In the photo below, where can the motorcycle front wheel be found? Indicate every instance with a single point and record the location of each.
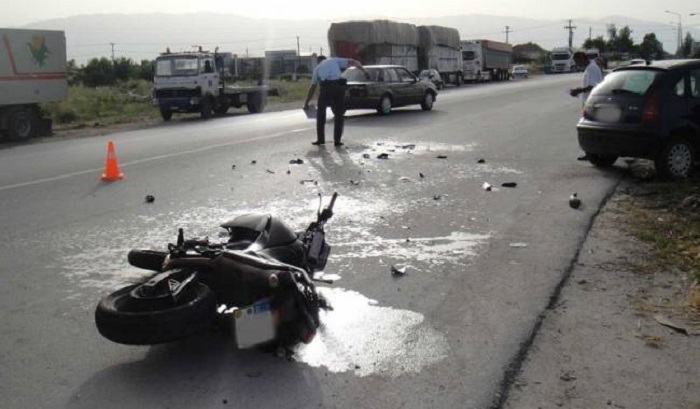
(124, 319)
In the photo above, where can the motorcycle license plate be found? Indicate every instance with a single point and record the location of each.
(254, 324)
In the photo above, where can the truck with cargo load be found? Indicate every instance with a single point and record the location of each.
(439, 49)
(486, 60)
(32, 72)
(384, 42)
(197, 81)
(378, 42)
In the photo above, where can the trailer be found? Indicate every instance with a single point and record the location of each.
(32, 72)
(376, 42)
(486, 60)
(439, 49)
(197, 82)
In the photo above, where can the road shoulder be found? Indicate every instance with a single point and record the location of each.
(600, 345)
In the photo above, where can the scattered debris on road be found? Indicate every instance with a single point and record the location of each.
(150, 199)
(383, 156)
(509, 184)
(442, 157)
(398, 271)
(421, 175)
(269, 171)
(481, 161)
(296, 162)
(574, 201)
(253, 162)
(233, 167)
(486, 186)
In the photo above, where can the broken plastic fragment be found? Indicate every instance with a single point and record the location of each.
(269, 171)
(442, 157)
(481, 161)
(421, 175)
(574, 201)
(383, 156)
(354, 182)
(366, 155)
(296, 162)
(509, 184)
(253, 162)
(233, 167)
(486, 186)
(398, 271)
(150, 199)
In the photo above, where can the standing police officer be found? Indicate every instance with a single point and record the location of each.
(327, 76)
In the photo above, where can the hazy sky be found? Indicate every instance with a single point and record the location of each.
(30, 11)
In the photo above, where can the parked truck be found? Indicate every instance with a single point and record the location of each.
(376, 42)
(486, 60)
(563, 60)
(197, 82)
(417, 48)
(32, 71)
(439, 49)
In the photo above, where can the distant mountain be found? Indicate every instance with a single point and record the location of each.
(144, 36)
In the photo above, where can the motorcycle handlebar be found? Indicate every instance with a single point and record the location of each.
(327, 213)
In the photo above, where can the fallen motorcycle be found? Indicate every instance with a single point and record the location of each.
(258, 280)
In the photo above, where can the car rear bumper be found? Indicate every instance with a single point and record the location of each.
(633, 141)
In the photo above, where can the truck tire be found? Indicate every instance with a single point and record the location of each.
(256, 102)
(384, 107)
(127, 320)
(166, 114)
(22, 123)
(221, 109)
(205, 108)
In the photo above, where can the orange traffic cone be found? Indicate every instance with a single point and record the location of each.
(112, 171)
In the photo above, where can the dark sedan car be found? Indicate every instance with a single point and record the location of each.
(645, 111)
(388, 86)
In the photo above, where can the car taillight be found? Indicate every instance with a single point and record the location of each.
(651, 108)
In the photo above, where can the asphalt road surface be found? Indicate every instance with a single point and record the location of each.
(481, 265)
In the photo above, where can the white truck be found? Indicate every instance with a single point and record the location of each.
(563, 60)
(196, 82)
(439, 49)
(32, 71)
(486, 60)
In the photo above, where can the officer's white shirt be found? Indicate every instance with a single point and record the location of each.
(592, 76)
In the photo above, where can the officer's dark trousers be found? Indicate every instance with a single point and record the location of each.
(332, 95)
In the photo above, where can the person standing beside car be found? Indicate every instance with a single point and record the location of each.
(327, 77)
(592, 75)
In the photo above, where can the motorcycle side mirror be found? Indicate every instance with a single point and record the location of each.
(180, 237)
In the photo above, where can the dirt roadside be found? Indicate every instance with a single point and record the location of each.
(600, 345)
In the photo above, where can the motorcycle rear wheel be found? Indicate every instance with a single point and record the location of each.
(127, 320)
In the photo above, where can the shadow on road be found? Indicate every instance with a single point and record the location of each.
(203, 371)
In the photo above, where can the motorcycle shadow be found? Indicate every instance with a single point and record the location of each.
(205, 370)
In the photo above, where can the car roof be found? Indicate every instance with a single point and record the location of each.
(663, 65)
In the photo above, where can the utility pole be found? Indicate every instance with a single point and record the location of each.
(508, 30)
(296, 66)
(112, 44)
(590, 33)
(571, 33)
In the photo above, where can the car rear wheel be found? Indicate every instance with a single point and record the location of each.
(601, 161)
(428, 100)
(676, 160)
(384, 105)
